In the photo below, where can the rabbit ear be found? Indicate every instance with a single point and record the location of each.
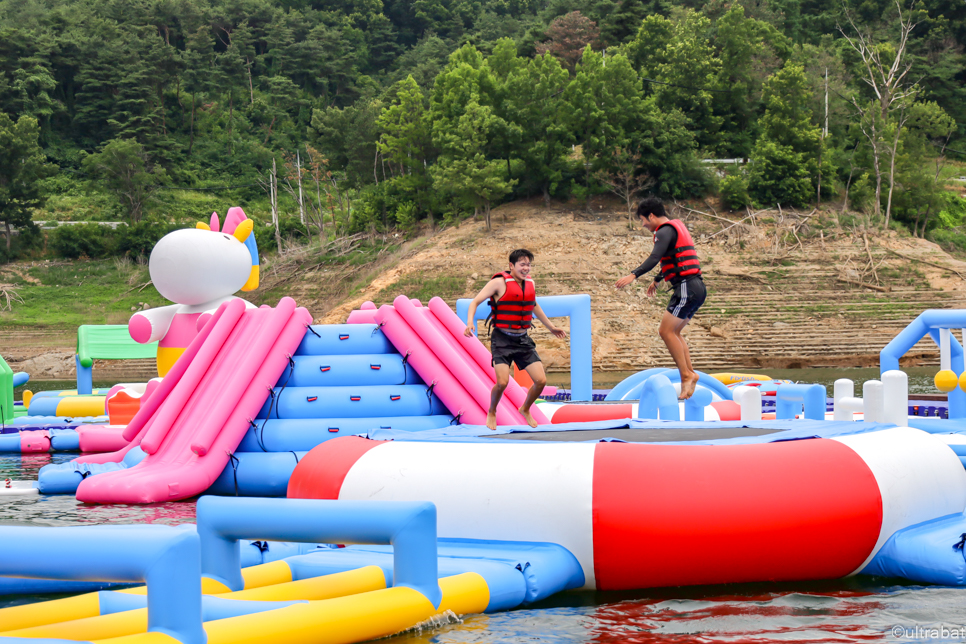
(234, 217)
(243, 230)
(214, 222)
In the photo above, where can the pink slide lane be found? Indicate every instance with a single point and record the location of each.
(457, 362)
(474, 350)
(189, 427)
(429, 367)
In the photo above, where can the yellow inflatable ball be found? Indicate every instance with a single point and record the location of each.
(946, 381)
(962, 381)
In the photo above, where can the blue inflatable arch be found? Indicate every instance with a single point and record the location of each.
(575, 307)
(929, 322)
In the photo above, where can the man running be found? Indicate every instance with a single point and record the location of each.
(674, 250)
(513, 303)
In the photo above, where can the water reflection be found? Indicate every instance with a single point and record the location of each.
(853, 610)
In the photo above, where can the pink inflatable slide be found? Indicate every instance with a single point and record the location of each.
(458, 367)
(201, 410)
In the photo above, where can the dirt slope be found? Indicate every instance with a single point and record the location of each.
(786, 289)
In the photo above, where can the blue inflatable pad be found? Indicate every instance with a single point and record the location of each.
(61, 440)
(63, 478)
(64, 440)
(930, 552)
(344, 339)
(256, 474)
(353, 402)
(339, 370)
(43, 405)
(304, 434)
(20, 378)
(60, 422)
(935, 425)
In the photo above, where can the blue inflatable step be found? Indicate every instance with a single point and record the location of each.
(353, 402)
(256, 474)
(303, 434)
(344, 339)
(331, 371)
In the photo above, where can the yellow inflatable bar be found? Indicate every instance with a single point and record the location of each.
(353, 611)
(87, 605)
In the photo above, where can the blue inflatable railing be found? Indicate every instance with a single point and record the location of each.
(167, 559)
(658, 395)
(577, 308)
(929, 322)
(790, 399)
(410, 527)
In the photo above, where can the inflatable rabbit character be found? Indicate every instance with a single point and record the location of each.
(197, 269)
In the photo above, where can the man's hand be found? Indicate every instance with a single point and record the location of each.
(652, 289)
(624, 281)
(560, 333)
(469, 331)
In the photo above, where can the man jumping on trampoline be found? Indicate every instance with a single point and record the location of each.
(513, 303)
(674, 250)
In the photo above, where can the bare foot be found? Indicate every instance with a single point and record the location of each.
(687, 387)
(527, 417)
(491, 421)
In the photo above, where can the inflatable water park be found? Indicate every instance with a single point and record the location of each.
(346, 487)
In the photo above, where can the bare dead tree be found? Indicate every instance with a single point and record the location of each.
(623, 180)
(882, 120)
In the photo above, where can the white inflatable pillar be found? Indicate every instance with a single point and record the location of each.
(845, 402)
(895, 397)
(944, 356)
(749, 399)
(872, 401)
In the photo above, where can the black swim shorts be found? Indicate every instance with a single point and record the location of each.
(508, 349)
(687, 298)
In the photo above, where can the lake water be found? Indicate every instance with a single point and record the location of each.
(851, 610)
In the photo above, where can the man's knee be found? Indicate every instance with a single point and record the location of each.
(502, 381)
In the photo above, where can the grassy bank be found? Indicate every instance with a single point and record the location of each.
(67, 294)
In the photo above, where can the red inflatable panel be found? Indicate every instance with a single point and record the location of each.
(727, 410)
(675, 515)
(320, 473)
(590, 413)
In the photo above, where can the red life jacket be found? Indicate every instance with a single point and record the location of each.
(514, 310)
(681, 261)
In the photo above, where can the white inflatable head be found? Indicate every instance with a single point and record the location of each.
(200, 265)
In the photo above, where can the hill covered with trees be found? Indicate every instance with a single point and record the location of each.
(371, 114)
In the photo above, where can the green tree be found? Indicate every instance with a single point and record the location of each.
(22, 166)
(124, 168)
(406, 141)
(678, 57)
(463, 168)
(747, 58)
(785, 158)
(535, 106)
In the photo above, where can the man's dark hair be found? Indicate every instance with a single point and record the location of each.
(651, 206)
(519, 254)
